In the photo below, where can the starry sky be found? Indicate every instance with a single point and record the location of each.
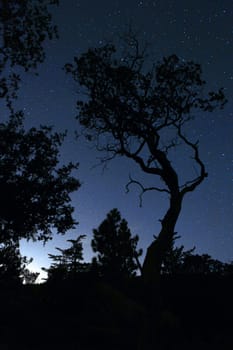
(194, 30)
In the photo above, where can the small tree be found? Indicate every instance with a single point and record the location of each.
(117, 254)
(173, 261)
(140, 111)
(13, 266)
(202, 264)
(179, 261)
(69, 262)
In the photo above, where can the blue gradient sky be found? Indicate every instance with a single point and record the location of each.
(197, 30)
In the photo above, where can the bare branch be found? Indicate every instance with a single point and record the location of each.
(151, 160)
(135, 59)
(143, 189)
(103, 162)
(190, 186)
(140, 148)
(173, 144)
(140, 162)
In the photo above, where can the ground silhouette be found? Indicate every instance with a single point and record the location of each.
(88, 313)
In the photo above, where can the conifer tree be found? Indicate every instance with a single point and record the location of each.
(69, 262)
(117, 254)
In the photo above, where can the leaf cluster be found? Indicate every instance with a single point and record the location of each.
(35, 190)
(13, 266)
(25, 26)
(134, 104)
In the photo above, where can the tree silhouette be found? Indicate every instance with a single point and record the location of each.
(13, 266)
(35, 191)
(173, 261)
(24, 26)
(141, 113)
(179, 261)
(69, 262)
(117, 254)
(202, 264)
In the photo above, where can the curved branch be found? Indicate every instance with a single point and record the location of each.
(123, 151)
(190, 186)
(143, 189)
(137, 152)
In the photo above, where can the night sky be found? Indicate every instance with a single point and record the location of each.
(198, 30)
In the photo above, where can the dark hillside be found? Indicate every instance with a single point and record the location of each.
(195, 312)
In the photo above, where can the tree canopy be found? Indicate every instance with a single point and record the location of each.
(35, 190)
(140, 112)
(12, 264)
(24, 27)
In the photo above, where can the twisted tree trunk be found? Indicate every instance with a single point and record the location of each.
(156, 251)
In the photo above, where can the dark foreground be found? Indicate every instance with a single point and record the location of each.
(193, 312)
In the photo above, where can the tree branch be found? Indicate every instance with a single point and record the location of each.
(190, 186)
(143, 189)
(137, 159)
